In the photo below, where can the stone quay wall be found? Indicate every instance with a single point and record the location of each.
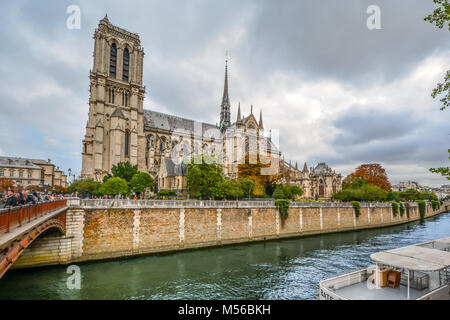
(102, 229)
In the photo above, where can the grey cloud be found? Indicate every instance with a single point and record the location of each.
(311, 40)
(366, 124)
(332, 40)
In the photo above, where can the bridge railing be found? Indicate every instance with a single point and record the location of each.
(16, 216)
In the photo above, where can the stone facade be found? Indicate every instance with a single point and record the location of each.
(120, 130)
(318, 183)
(32, 172)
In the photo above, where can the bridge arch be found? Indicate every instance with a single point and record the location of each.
(50, 215)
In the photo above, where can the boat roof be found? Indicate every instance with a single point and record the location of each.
(427, 256)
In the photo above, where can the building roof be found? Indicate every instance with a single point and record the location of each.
(428, 256)
(158, 120)
(23, 163)
(321, 168)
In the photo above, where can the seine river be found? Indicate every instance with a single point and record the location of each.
(282, 269)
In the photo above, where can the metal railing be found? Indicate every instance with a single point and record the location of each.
(15, 217)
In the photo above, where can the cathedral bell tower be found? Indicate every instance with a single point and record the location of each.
(115, 127)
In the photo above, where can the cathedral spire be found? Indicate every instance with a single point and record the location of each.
(105, 19)
(225, 106)
(261, 126)
(239, 113)
(305, 168)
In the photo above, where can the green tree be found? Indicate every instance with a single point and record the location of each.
(114, 186)
(366, 192)
(247, 187)
(443, 171)
(287, 192)
(141, 181)
(124, 170)
(204, 177)
(279, 193)
(230, 189)
(441, 17)
(105, 178)
(167, 193)
(85, 186)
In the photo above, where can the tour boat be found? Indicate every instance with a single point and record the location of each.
(415, 272)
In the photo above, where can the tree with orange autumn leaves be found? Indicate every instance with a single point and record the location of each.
(6, 184)
(373, 173)
(253, 171)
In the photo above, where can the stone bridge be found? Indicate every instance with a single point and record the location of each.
(20, 226)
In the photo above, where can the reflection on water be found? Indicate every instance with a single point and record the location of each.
(282, 269)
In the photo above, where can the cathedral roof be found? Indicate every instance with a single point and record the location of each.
(321, 168)
(158, 120)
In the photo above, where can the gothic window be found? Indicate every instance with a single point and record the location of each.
(29, 174)
(113, 61)
(126, 99)
(321, 188)
(85, 147)
(2, 172)
(11, 172)
(127, 143)
(162, 145)
(334, 187)
(126, 64)
(111, 96)
(151, 141)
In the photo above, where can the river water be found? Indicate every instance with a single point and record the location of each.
(281, 269)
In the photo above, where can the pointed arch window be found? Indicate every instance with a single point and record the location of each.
(113, 61)
(321, 188)
(127, 143)
(126, 65)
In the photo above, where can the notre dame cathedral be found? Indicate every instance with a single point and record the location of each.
(120, 130)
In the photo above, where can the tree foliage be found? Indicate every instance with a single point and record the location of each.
(124, 170)
(367, 192)
(372, 173)
(114, 186)
(85, 187)
(167, 193)
(253, 171)
(287, 192)
(357, 207)
(141, 181)
(411, 195)
(440, 17)
(6, 184)
(204, 177)
(422, 209)
(443, 171)
(283, 207)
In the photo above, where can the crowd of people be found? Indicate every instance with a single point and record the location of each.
(14, 199)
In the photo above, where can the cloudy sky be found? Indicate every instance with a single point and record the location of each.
(337, 91)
